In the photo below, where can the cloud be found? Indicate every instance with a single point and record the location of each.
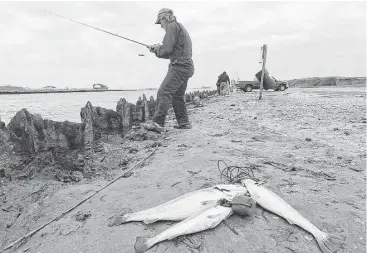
(304, 39)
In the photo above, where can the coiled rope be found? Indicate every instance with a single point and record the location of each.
(234, 174)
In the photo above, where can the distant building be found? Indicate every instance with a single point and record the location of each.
(100, 86)
(49, 87)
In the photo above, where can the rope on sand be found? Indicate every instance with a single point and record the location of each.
(81, 202)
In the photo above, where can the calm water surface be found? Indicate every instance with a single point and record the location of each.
(65, 106)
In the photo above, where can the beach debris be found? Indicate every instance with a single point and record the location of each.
(185, 206)
(142, 135)
(358, 169)
(154, 144)
(173, 185)
(197, 102)
(183, 145)
(207, 219)
(133, 151)
(69, 176)
(234, 140)
(308, 139)
(257, 138)
(2, 172)
(82, 216)
(194, 172)
(123, 162)
(128, 174)
(273, 203)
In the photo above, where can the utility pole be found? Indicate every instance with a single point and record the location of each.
(265, 50)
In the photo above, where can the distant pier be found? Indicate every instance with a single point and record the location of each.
(55, 91)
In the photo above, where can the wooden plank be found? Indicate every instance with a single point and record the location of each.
(265, 49)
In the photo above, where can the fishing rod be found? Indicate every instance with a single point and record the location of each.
(97, 29)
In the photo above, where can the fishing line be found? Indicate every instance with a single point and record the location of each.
(234, 174)
(137, 42)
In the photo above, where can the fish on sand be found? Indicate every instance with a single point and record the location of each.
(183, 207)
(273, 203)
(208, 219)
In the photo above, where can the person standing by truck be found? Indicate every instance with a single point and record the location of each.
(222, 78)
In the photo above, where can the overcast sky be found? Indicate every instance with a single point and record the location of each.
(304, 39)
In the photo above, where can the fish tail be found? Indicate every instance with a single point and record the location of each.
(118, 220)
(150, 221)
(125, 218)
(330, 243)
(142, 244)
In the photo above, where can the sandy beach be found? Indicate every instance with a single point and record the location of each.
(308, 144)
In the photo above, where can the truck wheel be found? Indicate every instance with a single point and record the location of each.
(282, 87)
(248, 88)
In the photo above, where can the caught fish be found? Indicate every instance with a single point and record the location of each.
(273, 203)
(185, 206)
(208, 219)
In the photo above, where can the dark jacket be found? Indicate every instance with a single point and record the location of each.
(176, 43)
(223, 78)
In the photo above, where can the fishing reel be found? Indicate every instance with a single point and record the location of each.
(241, 205)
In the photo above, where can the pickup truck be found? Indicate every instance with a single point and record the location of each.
(248, 86)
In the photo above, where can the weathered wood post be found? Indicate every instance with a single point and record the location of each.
(87, 120)
(264, 49)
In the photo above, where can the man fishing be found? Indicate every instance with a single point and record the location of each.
(177, 47)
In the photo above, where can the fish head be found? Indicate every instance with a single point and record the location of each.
(248, 182)
(251, 186)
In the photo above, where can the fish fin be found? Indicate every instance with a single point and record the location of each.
(328, 244)
(141, 244)
(150, 221)
(118, 220)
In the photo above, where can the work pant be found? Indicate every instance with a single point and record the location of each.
(173, 90)
(224, 89)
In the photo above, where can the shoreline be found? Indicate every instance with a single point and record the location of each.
(5, 92)
(2, 92)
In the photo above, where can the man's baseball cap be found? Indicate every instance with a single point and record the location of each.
(161, 14)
